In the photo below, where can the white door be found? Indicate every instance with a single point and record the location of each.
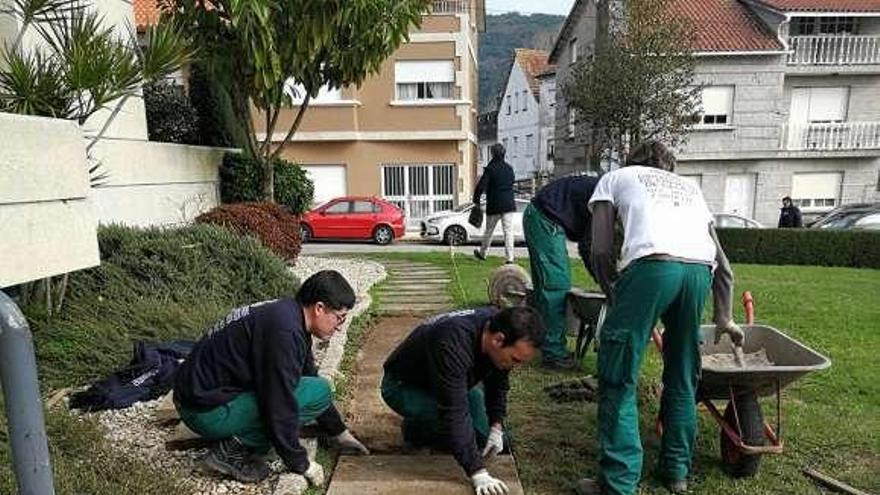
(739, 194)
(329, 180)
(420, 190)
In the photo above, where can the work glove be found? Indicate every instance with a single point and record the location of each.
(349, 444)
(487, 485)
(315, 474)
(495, 443)
(737, 336)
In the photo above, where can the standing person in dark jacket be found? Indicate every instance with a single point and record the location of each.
(431, 380)
(557, 212)
(251, 382)
(497, 184)
(790, 215)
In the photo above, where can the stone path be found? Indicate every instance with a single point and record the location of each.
(411, 292)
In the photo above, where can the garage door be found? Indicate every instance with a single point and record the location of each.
(330, 181)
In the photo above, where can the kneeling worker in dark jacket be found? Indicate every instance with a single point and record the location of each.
(251, 382)
(432, 380)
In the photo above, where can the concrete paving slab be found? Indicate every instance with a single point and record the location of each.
(407, 475)
(413, 287)
(416, 297)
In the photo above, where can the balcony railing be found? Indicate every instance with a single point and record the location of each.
(446, 7)
(838, 136)
(834, 50)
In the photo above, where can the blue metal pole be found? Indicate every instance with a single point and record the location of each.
(24, 408)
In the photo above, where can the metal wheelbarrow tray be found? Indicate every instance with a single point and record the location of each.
(791, 360)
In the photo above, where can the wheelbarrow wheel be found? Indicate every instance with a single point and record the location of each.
(751, 420)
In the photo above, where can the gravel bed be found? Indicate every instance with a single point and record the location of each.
(135, 431)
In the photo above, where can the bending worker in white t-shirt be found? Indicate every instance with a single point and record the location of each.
(665, 270)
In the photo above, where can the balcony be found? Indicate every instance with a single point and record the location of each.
(833, 50)
(447, 7)
(835, 136)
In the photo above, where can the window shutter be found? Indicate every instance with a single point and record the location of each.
(416, 71)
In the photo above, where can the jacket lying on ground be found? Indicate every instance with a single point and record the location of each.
(148, 376)
(443, 357)
(264, 349)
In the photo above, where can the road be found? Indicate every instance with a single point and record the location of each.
(409, 246)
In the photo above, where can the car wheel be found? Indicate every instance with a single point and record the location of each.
(455, 236)
(305, 233)
(383, 235)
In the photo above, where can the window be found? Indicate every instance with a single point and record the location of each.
(296, 92)
(551, 149)
(362, 207)
(340, 208)
(552, 98)
(807, 26)
(516, 102)
(716, 107)
(573, 50)
(504, 143)
(515, 145)
(816, 190)
(572, 122)
(508, 104)
(530, 143)
(525, 101)
(819, 105)
(424, 79)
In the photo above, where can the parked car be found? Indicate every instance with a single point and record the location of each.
(452, 227)
(734, 221)
(353, 217)
(860, 216)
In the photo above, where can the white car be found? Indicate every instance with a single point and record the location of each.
(452, 227)
(734, 221)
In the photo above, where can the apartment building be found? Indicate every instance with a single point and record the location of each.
(409, 133)
(790, 104)
(526, 115)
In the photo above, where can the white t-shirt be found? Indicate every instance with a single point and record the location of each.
(661, 213)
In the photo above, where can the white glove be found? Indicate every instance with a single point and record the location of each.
(487, 485)
(495, 443)
(737, 336)
(291, 484)
(315, 474)
(347, 442)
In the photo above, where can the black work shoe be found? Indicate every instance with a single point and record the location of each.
(565, 364)
(234, 459)
(677, 486)
(480, 256)
(586, 486)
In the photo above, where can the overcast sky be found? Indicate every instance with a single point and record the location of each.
(559, 7)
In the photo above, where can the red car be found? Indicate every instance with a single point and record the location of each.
(353, 217)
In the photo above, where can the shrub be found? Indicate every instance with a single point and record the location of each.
(170, 116)
(241, 179)
(154, 284)
(850, 248)
(217, 123)
(273, 225)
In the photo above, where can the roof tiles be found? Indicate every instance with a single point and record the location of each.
(534, 63)
(823, 5)
(726, 26)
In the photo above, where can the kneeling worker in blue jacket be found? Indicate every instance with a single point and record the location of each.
(432, 380)
(251, 382)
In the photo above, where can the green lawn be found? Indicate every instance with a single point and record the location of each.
(831, 418)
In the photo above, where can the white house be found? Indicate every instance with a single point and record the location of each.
(521, 114)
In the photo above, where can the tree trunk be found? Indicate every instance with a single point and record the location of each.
(268, 179)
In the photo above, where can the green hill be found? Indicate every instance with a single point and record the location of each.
(504, 33)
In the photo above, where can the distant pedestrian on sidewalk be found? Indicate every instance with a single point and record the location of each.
(449, 381)
(497, 184)
(558, 212)
(789, 215)
(251, 382)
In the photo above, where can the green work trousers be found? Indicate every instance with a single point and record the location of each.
(421, 416)
(647, 290)
(551, 278)
(240, 417)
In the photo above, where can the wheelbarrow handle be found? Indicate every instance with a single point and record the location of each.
(749, 305)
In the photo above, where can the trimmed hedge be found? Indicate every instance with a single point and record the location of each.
(170, 116)
(272, 224)
(241, 180)
(818, 247)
